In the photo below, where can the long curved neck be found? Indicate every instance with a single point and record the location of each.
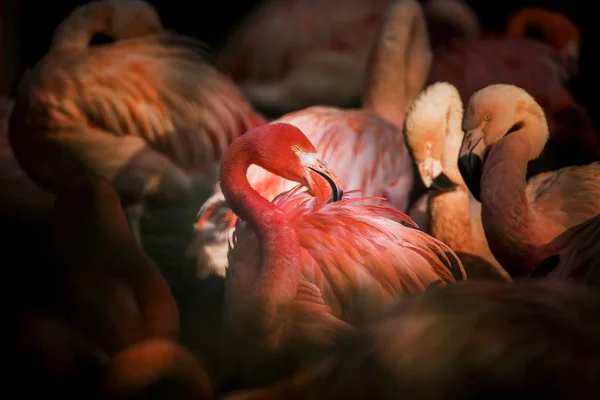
(77, 30)
(280, 246)
(505, 212)
(399, 63)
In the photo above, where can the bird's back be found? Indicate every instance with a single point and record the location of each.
(362, 256)
(567, 197)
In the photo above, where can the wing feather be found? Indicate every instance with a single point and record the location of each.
(569, 196)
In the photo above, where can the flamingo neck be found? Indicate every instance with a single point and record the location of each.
(505, 212)
(279, 270)
(77, 30)
(399, 62)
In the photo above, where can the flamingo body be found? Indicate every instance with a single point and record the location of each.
(301, 268)
(347, 140)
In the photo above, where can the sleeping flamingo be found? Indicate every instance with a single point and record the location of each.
(148, 112)
(282, 71)
(364, 147)
(505, 129)
(301, 268)
(433, 135)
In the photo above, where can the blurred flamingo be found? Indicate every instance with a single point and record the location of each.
(148, 113)
(553, 28)
(102, 296)
(433, 135)
(447, 332)
(505, 129)
(25, 200)
(302, 268)
(365, 147)
(537, 68)
(282, 71)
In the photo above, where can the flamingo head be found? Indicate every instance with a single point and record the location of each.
(433, 136)
(493, 113)
(284, 150)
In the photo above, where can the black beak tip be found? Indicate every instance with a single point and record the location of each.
(471, 169)
(443, 184)
(336, 192)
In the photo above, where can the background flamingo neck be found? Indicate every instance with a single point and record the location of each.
(76, 32)
(399, 62)
(505, 211)
(279, 272)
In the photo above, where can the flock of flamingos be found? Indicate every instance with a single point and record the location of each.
(351, 200)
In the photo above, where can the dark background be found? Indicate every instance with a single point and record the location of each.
(33, 22)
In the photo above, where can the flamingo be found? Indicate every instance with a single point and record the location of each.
(304, 268)
(364, 147)
(147, 112)
(558, 31)
(281, 71)
(505, 129)
(433, 136)
(25, 200)
(537, 68)
(102, 296)
(431, 346)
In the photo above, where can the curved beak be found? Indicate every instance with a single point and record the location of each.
(470, 161)
(432, 176)
(322, 182)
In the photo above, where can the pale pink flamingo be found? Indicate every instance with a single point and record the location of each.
(305, 269)
(291, 54)
(147, 112)
(433, 135)
(364, 147)
(538, 68)
(505, 129)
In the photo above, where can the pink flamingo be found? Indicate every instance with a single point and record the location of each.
(364, 147)
(506, 129)
(147, 112)
(304, 268)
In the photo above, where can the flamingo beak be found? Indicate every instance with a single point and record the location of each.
(318, 174)
(431, 172)
(470, 161)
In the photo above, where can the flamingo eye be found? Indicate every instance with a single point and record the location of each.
(296, 148)
(487, 117)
